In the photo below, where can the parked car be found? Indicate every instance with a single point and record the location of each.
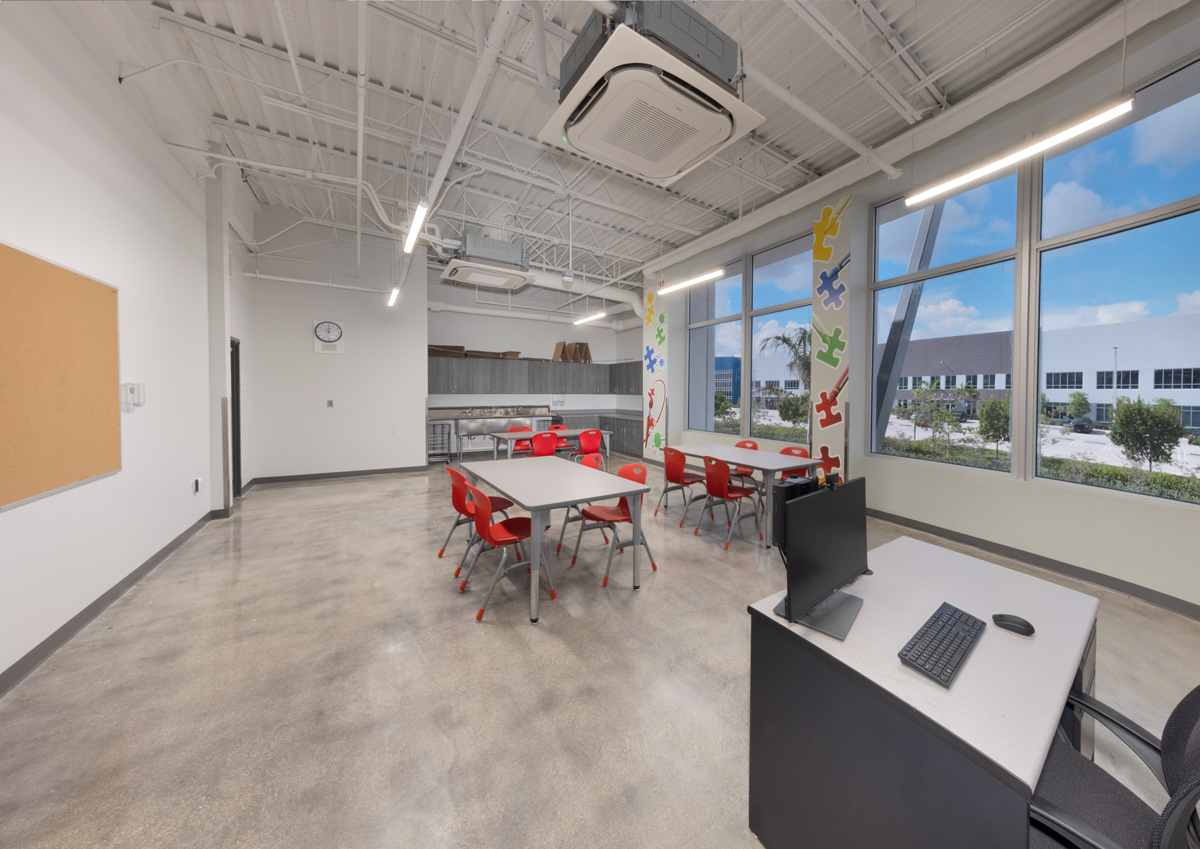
(1081, 425)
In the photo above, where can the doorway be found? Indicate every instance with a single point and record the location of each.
(235, 415)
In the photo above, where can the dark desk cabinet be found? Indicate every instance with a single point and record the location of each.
(462, 376)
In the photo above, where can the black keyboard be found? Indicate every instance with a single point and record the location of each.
(939, 648)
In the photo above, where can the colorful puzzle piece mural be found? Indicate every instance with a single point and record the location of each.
(829, 462)
(654, 386)
(831, 290)
(826, 409)
(827, 227)
(660, 334)
(833, 344)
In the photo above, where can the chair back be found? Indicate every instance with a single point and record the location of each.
(748, 443)
(590, 441)
(675, 463)
(521, 444)
(716, 477)
(795, 451)
(557, 427)
(458, 491)
(483, 514)
(1181, 742)
(544, 444)
(592, 461)
(635, 472)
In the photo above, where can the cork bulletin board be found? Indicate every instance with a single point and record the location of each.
(59, 385)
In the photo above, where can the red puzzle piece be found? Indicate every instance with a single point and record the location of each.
(829, 463)
(825, 408)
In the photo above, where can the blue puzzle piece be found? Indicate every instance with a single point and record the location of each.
(831, 290)
(652, 361)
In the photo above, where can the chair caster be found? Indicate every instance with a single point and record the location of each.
(479, 615)
(553, 594)
(727, 546)
(462, 587)
(605, 584)
(654, 566)
(441, 551)
(456, 571)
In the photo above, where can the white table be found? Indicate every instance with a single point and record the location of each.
(542, 484)
(510, 437)
(767, 462)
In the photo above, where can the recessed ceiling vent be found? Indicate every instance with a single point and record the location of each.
(653, 97)
(491, 263)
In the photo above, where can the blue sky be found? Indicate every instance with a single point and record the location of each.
(976, 301)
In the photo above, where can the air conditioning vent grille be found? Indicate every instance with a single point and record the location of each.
(648, 132)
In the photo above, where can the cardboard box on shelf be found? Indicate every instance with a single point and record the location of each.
(447, 351)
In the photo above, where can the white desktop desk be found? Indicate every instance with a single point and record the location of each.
(922, 764)
(541, 484)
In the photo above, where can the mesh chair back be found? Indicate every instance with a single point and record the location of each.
(1181, 742)
(544, 444)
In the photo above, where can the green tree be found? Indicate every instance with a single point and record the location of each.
(995, 420)
(1078, 406)
(799, 349)
(794, 409)
(929, 411)
(721, 405)
(1146, 432)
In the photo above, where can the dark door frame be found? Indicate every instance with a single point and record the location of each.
(235, 414)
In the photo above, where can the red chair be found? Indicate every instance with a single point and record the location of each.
(745, 471)
(679, 479)
(794, 451)
(499, 535)
(716, 481)
(604, 516)
(544, 444)
(562, 440)
(521, 446)
(592, 461)
(466, 513)
(590, 442)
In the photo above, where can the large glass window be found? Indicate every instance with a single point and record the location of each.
(1123, 304)
(783, 275)
(719, 299)
(715, 377)
(963, 325)
(977, 222)
(1152, 162)
(780, 355)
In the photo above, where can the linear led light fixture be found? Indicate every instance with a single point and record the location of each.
(1024, 153)
(414, 229)
(703, 278)
(591, 317)
(393, 296)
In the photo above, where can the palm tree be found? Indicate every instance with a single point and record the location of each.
(799, 348)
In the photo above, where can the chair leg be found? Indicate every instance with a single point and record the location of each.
(458, 521)
(660, 500)
(608, 568)
(482, 548)
(728, 518)
(549, 577)
(562, 533)
(578, 539)
(471, 540)
(707, 501)
(495, 580)
(646, 546)
(736, 513)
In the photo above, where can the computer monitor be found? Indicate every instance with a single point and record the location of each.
(826, 549)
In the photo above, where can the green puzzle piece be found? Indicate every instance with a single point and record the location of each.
(662, 318)
(658, 440)
(661, 335)
(834, 342)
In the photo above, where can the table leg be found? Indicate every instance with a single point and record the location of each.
(538, 518)
(510, 445)
(635, 513)
(769, 508)
(495, 448)
(604, 436)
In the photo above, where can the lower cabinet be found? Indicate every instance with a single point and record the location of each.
(626, 435)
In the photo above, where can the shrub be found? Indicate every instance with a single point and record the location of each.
(1159, 484)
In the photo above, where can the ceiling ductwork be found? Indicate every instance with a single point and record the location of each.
(650, 89)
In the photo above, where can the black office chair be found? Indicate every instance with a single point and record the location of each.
(1080, 806)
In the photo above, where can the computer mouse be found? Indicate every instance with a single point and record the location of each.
(1013, 623)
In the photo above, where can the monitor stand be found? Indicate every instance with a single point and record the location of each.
(834, 616)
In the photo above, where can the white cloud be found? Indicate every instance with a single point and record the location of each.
(728, 341)
(1167, 139)
(1069, 206)
(1189, 302)
(951, 317)
(979, 197)
(789, 276)
(1086, 161)
(1092, 316)
(955, 217)
(896, 238)
(1000, 225)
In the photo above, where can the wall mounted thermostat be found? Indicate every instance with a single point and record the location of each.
(328, 337)
(132, 395)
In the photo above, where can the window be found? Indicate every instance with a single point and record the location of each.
(719, 299)
(1104, 380)
(902, 383)
(714, 349)
(972, 381)
(962, 319)
(1190, 417)
(1104, 413)
(783, 275)
(1064, 380)
(1137, 318)
(772, 384)
(989, 381)
(724, 383)
(977, 222)
(781, 347)
(791, 385)
(1008, 381)
(757, 384)
(1177, 378)
(1143, 165)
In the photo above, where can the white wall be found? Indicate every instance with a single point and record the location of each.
(1146, 541)
(378, 385)
(89, 185)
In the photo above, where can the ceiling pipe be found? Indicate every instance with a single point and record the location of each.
(553, 280)
(539, 47)
(787, 99)
(320, 283)
(362, 119)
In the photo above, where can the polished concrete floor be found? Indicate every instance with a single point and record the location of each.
(306, 674)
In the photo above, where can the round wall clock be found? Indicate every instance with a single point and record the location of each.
(328, 331)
